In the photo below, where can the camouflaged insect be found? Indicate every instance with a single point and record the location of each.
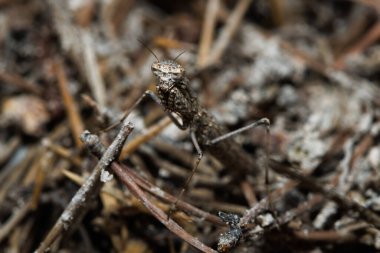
(177, 97)
(173, 89)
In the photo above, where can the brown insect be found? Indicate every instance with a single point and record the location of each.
(177, 98)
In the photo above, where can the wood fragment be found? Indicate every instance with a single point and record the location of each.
(79, 204)
(364, 213)
(126, 177)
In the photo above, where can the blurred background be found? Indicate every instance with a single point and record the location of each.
(311, 67)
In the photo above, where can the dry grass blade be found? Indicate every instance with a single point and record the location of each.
(92, 69)
(70, 104)
(207, 31)
(149, 134)
(227, 33)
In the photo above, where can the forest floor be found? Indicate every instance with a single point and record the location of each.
(311, 67)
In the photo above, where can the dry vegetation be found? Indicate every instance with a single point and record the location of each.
(311, 67)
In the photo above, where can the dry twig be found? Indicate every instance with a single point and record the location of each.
(80, 203)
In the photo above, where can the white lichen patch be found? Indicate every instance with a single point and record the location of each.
(105, 176)
(66, 219)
